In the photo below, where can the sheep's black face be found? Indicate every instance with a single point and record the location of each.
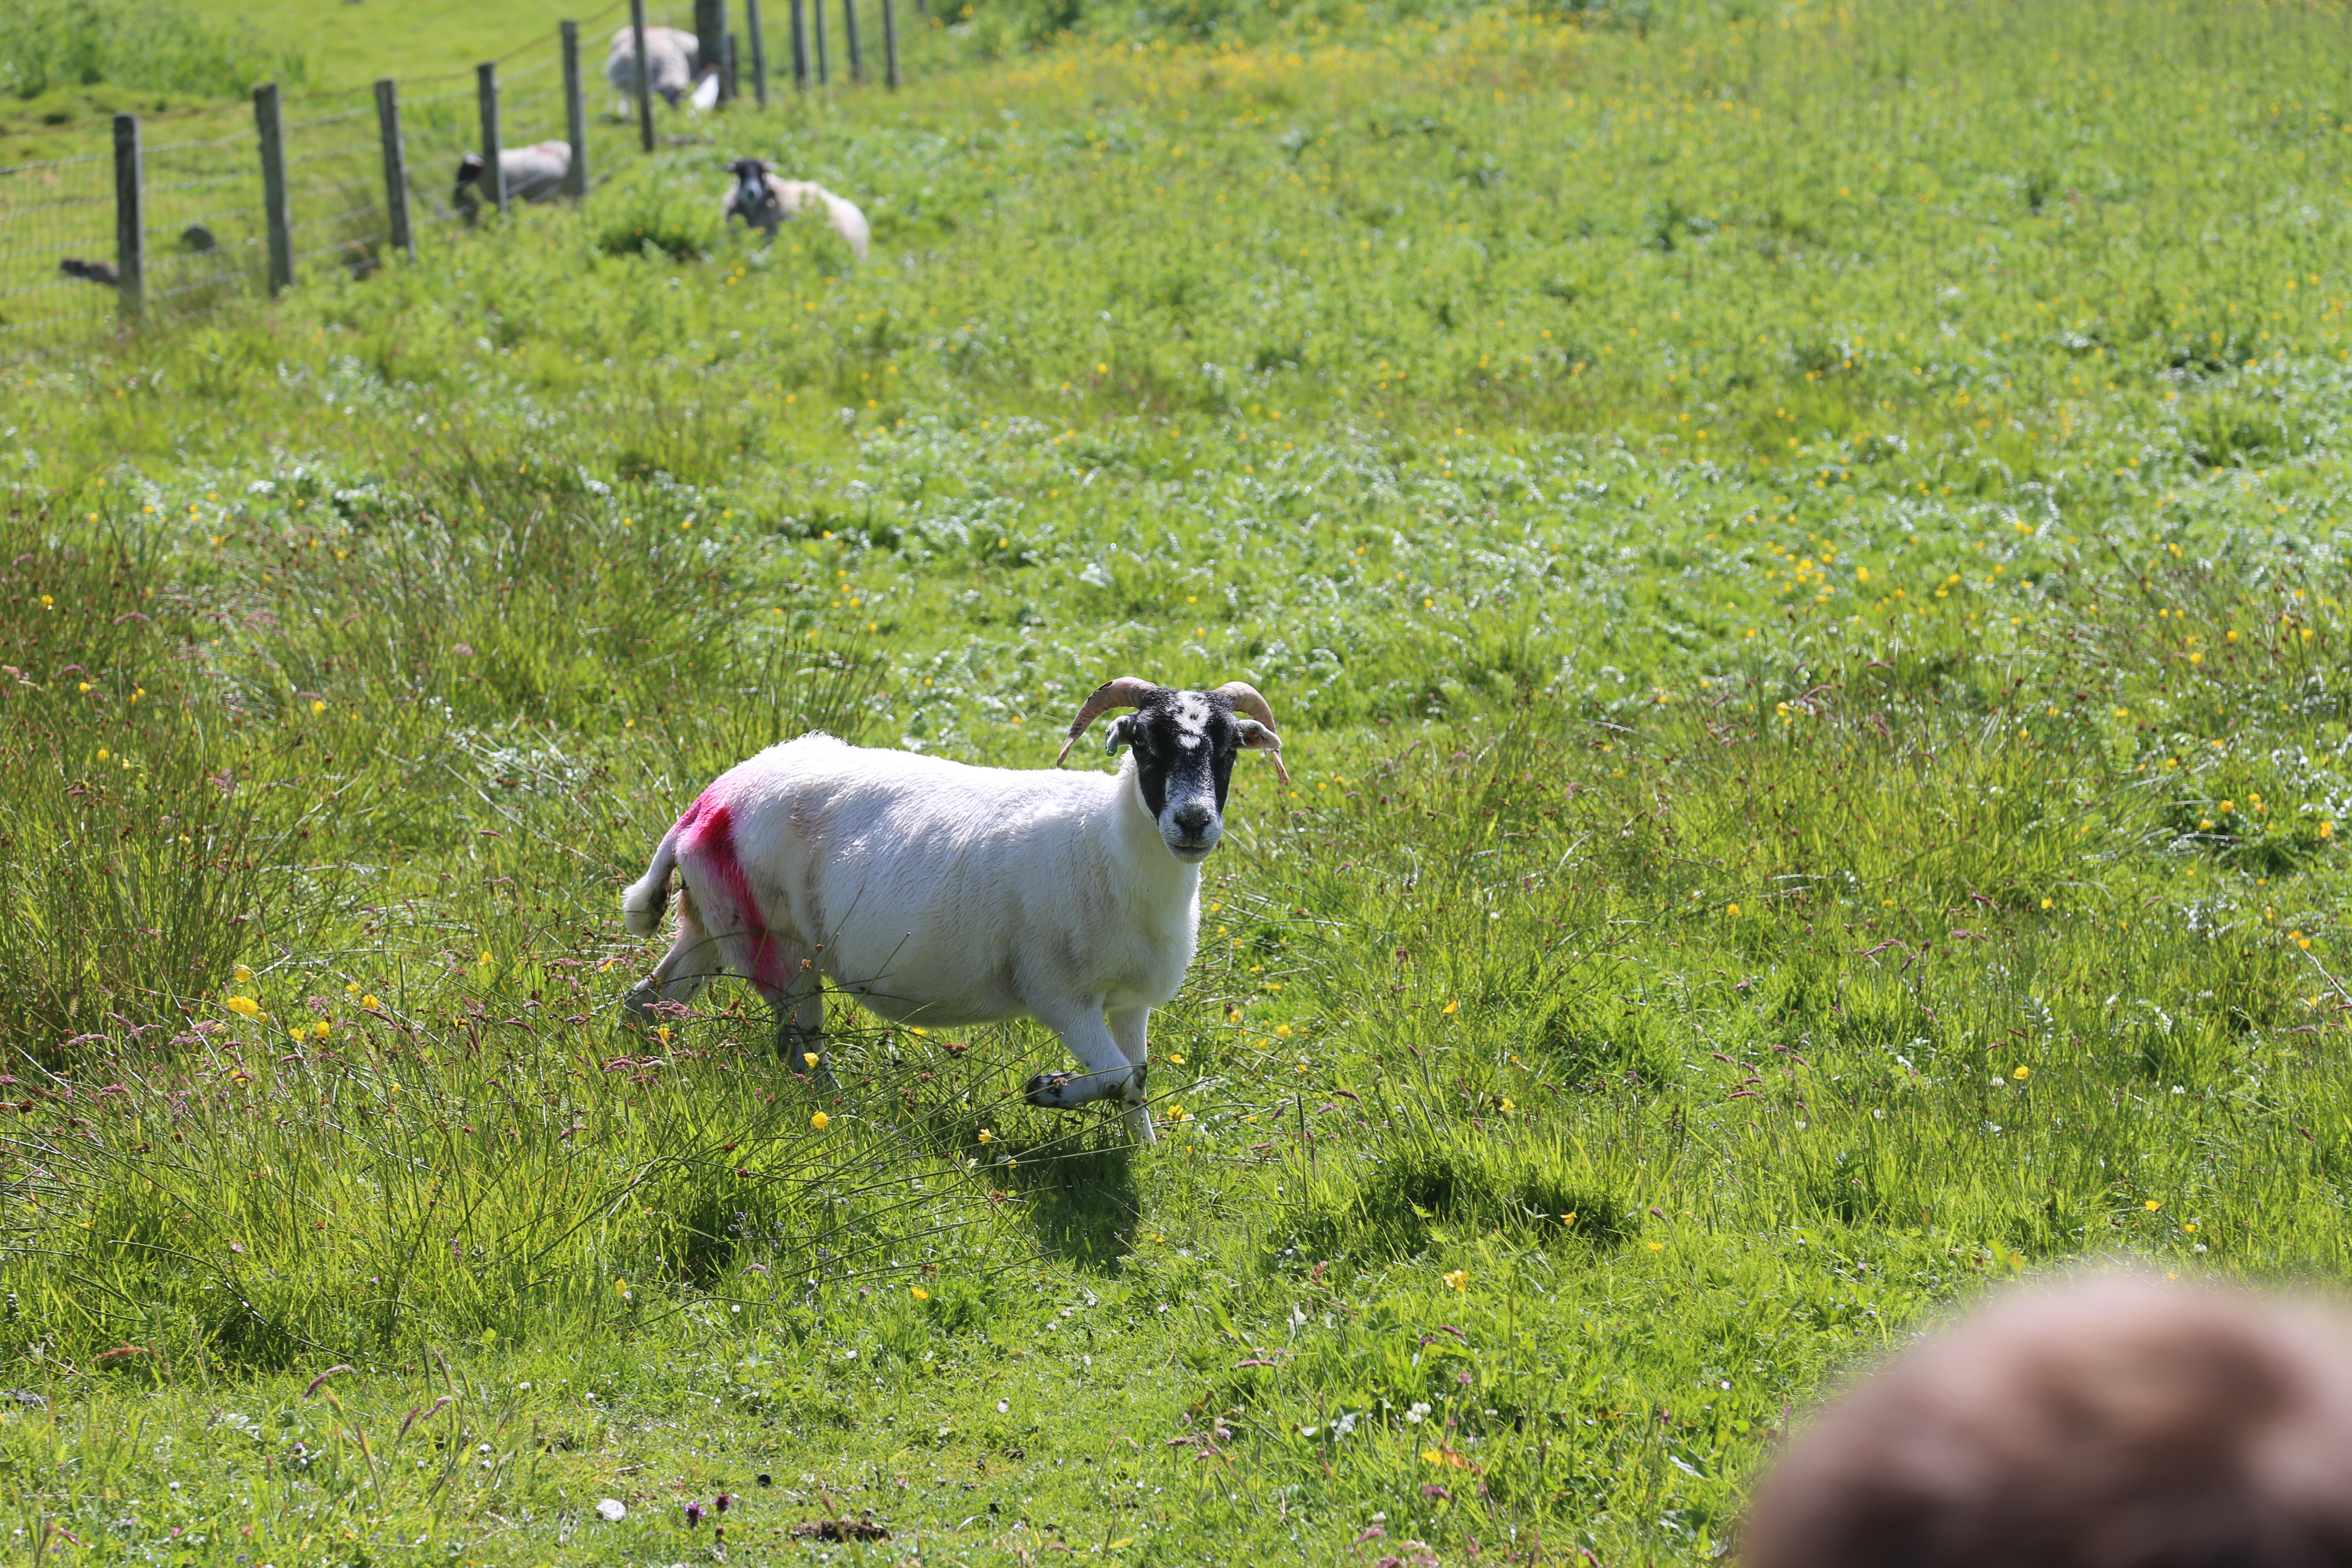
(469, 168)
(751, 185)
(1184, 743)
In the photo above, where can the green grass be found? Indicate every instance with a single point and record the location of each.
(1799, 560)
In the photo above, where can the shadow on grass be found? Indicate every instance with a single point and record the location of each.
(1081, 1193)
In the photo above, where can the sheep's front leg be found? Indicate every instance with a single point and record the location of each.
(1109, 1071)
(1128, 1028)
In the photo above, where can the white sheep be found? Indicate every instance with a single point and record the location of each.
(765, 203)
(677, 59)
(943, 895)
(534, 173)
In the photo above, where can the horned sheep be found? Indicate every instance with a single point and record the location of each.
(942, 895)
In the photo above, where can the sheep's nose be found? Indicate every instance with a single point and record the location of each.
(1193, 819)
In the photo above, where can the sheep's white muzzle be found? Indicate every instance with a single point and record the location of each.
(1191, 831)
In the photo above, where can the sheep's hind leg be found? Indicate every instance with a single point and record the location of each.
(1109, 1073)
(675, 980)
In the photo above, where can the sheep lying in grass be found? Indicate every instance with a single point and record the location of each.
(675, 57)
(942, 895)
(765, 203)
(534, 173)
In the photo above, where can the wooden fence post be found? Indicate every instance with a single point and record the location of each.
(396, 166)
(729, 88)
(849, 39)
(644, 76)
(494, 170)
(758, 29)
(710, 40)
(816, 14)
(891, 42)
(130, 225)
(799, 46)
(277, 214)
(575, 114)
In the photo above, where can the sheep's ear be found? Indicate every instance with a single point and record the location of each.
(1118, 734)
(1256, 737)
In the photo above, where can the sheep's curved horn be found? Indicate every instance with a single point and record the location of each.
(1245, 699)
(1246, 702)
(1127, 692)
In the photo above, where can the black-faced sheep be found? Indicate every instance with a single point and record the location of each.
(942, 895)
(767, 202)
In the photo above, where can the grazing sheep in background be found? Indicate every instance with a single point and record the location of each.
(942, 895)
(534, 174)
(91, 271)
(676, 57)
(765, 202)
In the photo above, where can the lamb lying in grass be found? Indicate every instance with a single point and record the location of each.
(534, 173)
(765, 202)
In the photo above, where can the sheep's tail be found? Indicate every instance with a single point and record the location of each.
(647, 898)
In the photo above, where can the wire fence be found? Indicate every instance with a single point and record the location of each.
(202, 214)
(181, 229)
(58, 218)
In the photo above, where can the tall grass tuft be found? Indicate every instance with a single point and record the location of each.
(162, 47)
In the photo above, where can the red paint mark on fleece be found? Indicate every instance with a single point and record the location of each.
(715, 843)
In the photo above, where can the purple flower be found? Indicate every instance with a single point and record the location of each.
(693, 1514)
(1372, 1533)
(719, 1502)
(1433, 1490)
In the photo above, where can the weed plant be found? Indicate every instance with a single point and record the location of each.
(1799, 562)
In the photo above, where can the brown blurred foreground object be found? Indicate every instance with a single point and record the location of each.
(2111, 1423)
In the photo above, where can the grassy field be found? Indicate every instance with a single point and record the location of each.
(1797, 559)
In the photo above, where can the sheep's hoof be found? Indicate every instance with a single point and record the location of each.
(1049, 1089)
(636, 1007)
